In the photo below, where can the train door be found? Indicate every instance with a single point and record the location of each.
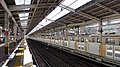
(94, 48)
(81, 44)
(72, 42)
(110, 47)
(117, 52)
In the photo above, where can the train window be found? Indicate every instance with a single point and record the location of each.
(82, 39)
(106, 40)
(73, 39)
(106, 33)
(65, 44)
(79, 46)
(65, 38)
(98, 40)
(111, 41)
(117, 52)
(93, 39)
(89, 40)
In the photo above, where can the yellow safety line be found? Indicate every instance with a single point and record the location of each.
(18, 58)
(20, 48)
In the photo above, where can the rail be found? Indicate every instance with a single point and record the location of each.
(61, 53)
(37, 63)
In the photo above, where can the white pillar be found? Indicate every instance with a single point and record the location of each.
(100, 37)
(15, 32)
(6, 33)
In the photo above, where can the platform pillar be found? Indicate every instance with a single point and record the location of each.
(66, 36)
(0, 33)
(77, 40)
(54, 36)
(63, 37)
(15, 32)
(50, 38)
(100, 37)
(6, 33)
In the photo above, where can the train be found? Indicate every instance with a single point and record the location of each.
(90, 44)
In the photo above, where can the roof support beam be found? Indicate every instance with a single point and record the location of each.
(76, 19)
(33, 15)
(80, 13)
(67, 8)
(66, 21)
(21, 7)
(2, 15)
(111, 10)
(23, 20)
(60, 23)
(8, 11)
(2, 19)
(22, 12)
(88, 16)
(23, 17)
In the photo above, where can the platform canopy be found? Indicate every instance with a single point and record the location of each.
(26, 14)
(79, 14)
(44, 15)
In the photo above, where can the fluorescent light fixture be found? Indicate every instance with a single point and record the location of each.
(21, 2)
(26, 9)
(117, 21)
(27, 2)
(95, 25)
(23, 24)
(68, 2)
(78, 3)
(48, 22)
(24, 18)
(42, 22)
(62, 13)
(54, 12)
(22, 15)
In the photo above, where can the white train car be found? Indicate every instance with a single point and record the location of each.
(66, 43)
(71, 44)
(111, 45)
(90, 44)
(81, 46)
(93, 48)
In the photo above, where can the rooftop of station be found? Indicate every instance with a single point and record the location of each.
(44, 15)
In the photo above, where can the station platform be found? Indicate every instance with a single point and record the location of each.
(20, 57)
(3, 57)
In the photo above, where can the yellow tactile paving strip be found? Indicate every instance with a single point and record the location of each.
(19, 57)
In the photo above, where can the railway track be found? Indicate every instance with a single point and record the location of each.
(53, 57)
